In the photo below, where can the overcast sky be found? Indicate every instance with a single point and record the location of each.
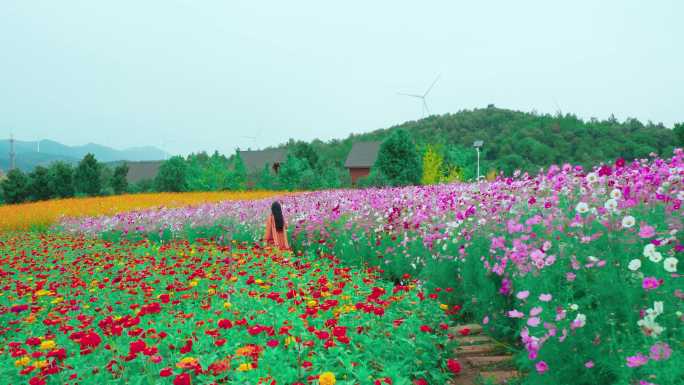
(189, 75)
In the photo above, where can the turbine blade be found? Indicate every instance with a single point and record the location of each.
(432, 85)
(411, 95)
(425, 105)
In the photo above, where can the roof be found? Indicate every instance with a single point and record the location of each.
(255, 160)
(141, 170)
(362, 154)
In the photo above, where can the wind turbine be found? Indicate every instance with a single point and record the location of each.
(426, 109)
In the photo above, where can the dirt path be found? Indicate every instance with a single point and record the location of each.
(483, 360)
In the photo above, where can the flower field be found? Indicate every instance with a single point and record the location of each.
(577, 271)
(42, 214)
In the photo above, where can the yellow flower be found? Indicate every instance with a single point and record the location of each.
(40, 364)
(193, 283)
(227, 305)
(327, 378)
(47, 345)
(244, 367)
(312, 303)
(289, 340)
(259, 281)
(57, 300)
(23, 361)
(211, 291)
(186, 362)
(43, 292)
(444, 306)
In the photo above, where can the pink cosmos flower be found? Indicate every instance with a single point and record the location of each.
(533, 321)
(522, 294)
(636, 361)
(541, 367)
(660, 351)
(536, 311)
(515, 314)
(589, 364)
(545, 297)
(650, 283)
(646, 231)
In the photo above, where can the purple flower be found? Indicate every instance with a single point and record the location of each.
(646, 231)
(515, 314)
(650, 283)
(533, 321)
(545, 297)
(541, 367)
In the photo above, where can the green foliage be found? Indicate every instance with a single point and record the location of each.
(306, 152)
(15, 188)
(119, 182)
(207, 173)
(266, 180)
(39, 184)
(61, 179)
(375, 179)
(432, 166)
(172, 175)
(238, 178)
(398, 159)
(87, 176)
(291, 172)
(679, 134)
(142, 186)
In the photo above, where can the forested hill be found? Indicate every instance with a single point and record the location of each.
(521, 140)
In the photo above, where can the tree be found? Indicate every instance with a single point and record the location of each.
(679, 133)
(119, 182)
(172, 175)
(239, 175)
(39, 184)
(432, 166)
(266, 180)
(87, 176)
(61, 179)
(398, 159)
(306, 152)
(290, 172)
(15, 188)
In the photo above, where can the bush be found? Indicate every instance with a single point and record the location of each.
(398, 160)
(15, 188)
(172, 175)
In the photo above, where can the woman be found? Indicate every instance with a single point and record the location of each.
(276, 228)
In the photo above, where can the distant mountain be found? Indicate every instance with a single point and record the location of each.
(34, 153)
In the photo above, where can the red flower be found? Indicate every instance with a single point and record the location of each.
(33, 341)
(420, 381)
(464, 332)
(272, 343)
(37, 381)
(182, 379)
(454, 366)
(425, 328)
(225, 324)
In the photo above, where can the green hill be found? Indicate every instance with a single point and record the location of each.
(522, 140)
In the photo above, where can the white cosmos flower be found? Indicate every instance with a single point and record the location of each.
(658, 307)
(592, 177)
(649, 249)
(582, 207)
(628, 221)
(634, 264)
(671, 264)
(616, 194)
(611, 204)
(680, 195)
(574, 307)
(655, 257)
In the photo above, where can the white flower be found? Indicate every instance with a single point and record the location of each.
(616, 194)
(611, 204)
(680, 195)
(671, 264)
(634, 264)
(658, 307)
(574, 307)
(581, 320)
(593, 259)
(582, 207)
(656, 257)
(628, 221)
(592, 177)
(649, 249)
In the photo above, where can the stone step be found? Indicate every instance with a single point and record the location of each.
(476, 350)
(500, 376)
(472, 329)
(473, 340)
(489, 361)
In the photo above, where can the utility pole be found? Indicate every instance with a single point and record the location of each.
(12, 155)
(478, 144)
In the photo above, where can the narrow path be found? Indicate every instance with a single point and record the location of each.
(483, 360)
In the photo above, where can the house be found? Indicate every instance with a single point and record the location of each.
(142, 170)
(361, 158)
(256, 160)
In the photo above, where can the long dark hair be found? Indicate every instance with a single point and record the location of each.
(277, 212)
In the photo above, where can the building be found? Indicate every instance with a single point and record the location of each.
(142, 170)
(256, 160)
(361, 159)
